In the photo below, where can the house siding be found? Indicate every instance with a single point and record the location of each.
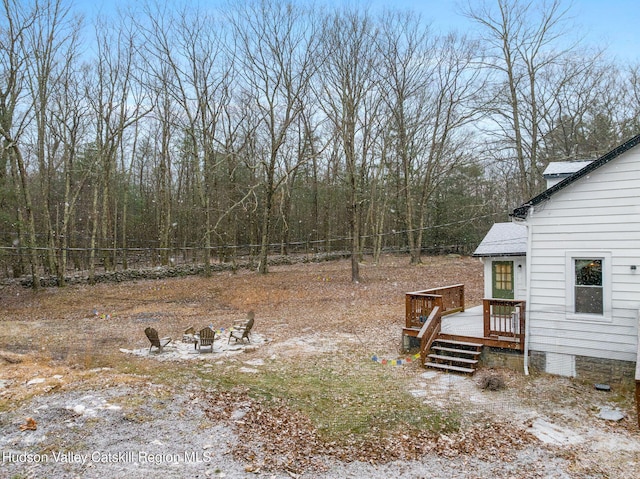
(599, 213)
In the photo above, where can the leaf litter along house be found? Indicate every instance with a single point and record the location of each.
(562, 280)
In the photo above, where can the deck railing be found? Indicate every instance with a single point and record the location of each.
(419, 304)
(504, 319)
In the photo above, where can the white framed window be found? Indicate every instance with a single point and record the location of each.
(588, 281)
(588, 286)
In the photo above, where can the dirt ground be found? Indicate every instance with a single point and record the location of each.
(81, 397)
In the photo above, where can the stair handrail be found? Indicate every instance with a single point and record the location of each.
(429, 332)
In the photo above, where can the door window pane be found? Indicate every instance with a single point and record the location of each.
(504, 275)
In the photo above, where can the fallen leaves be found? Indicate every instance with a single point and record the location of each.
(490, 441)
(275, 437)
(29, 425)
(272, 436)
(11, 358)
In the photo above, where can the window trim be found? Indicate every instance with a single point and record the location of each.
(570, 282)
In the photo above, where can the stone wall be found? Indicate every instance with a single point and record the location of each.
(537, 361)
(502, 358)
(161, 272)
(604, 370)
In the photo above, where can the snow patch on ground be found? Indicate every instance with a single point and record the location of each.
(179, 351)
(550, 433)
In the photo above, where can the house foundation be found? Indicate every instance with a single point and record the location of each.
(596, 370)
(604, 370)
(502, 358)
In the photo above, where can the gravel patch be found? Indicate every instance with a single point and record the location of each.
(114, 433)
(142, 429)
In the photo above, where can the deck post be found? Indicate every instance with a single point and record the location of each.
(523, 318)
(486, 315)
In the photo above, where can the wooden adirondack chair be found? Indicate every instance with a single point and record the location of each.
(156, 341)
(242, 329)
(206, 338)
(189, 335)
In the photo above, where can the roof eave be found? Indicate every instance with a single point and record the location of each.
(522, 210)
(496, 255)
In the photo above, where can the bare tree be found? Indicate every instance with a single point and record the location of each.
(406, 48)
(632, 96)
(217, 134)
(109, 94)
(592, 110)
(275, 47)
(432, 88)
(348, 66)
(54, 40)
(15, 111)
(521, 38)
(70, 127)
(201, 75)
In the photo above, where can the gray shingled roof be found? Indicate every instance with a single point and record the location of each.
(504, 239)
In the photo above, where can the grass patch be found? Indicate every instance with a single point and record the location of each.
(343, 398)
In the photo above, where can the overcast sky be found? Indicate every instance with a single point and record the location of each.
(614, 23)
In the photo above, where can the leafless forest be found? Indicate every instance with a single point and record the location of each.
(166, 134)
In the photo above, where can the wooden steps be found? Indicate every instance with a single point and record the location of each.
(454, 356)
(450, 367)
(438, 357)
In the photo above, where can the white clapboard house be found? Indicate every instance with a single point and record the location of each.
(583, 267)
(562, 280)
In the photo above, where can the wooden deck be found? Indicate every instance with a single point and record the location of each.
(469, 325)
(465, 323)
(440, 313)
